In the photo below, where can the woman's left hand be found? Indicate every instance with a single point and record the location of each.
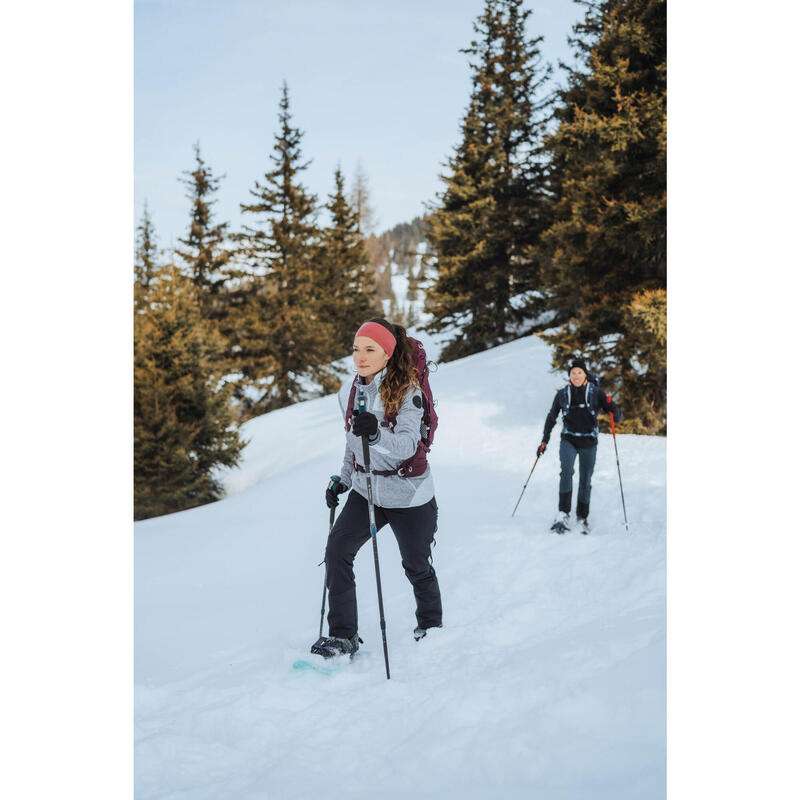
(365, 424)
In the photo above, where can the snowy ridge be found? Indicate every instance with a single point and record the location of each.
(548, 679)
(399, 307)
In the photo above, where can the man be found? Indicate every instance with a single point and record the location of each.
(579, 402)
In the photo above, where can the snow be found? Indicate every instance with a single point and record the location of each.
(547, 680)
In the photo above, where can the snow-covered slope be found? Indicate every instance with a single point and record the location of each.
(547, 681)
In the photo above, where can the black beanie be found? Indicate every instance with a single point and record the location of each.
(578, 362)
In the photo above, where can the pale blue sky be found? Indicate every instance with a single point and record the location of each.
(380, 82)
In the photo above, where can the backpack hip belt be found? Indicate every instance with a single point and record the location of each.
(572, 433)
(411, 467)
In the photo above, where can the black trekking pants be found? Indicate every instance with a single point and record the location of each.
(413, 528)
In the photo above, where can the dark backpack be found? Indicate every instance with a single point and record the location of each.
(592, 402)
(418, 463)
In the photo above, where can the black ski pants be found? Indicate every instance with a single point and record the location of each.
(413, 528)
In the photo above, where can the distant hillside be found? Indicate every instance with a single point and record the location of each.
(398, 257)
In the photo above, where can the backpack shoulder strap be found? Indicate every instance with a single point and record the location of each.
(348, 418)
(564, 393)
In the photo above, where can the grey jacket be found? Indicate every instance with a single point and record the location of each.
(387, 450)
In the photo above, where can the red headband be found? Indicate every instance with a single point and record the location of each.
(378, 334)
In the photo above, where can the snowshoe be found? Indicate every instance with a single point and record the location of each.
(561, 525)
(421, 633)
(331, 646)
(583, 525)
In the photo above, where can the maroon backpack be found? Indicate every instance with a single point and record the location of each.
(418, 463)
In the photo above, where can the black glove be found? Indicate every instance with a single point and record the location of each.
(542, 448)
(614, 409)
(335, 488)
(365, 424)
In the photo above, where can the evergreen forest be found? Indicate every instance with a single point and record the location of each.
(551, 219)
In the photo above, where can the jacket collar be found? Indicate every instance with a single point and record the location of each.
(573, 390)
(371, 389)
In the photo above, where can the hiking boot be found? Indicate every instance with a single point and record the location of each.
(330, 646)
(561, 525)
(583, 525)
(421, 633)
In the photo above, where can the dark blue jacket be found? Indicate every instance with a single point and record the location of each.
(580, 407)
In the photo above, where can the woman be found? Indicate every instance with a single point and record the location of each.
(392, 423)
(579, 401)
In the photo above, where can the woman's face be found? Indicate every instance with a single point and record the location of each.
(369, 357)
(577, 376)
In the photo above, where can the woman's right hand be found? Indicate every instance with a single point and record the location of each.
(335, 488)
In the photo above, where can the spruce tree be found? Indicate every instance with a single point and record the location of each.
(183, 421)
(145, 266)
(282, 340)
(379, 262)
(495, 203)
(345, 284)
(608, 237)
(361, 202)
(204, 252)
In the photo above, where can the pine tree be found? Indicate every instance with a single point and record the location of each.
(646, 333)
(419, 281)
(183, 421)
(378, 252)
(495, 202)
(361, 202)
(282, 340)
(345, 284)
(145, 266)
(204, 252)
(608, 240)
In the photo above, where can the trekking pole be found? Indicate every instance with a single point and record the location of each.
(333, 484)
(614, 435)
(526, 485)
(373, 530)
